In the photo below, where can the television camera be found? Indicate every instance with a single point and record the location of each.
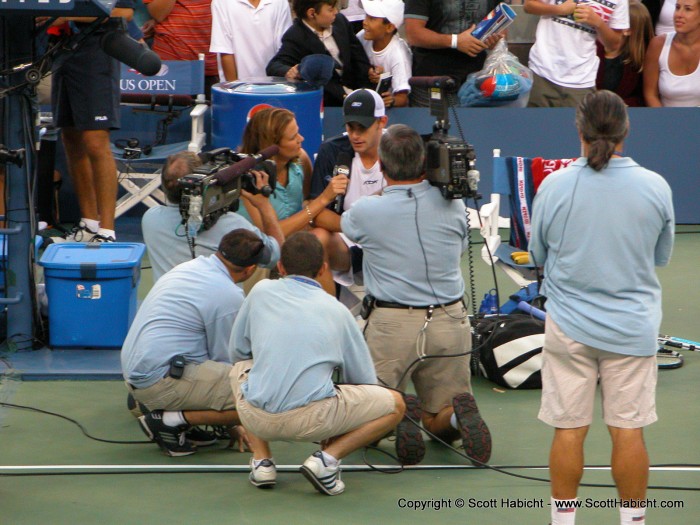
(450, 161)
(214, 187)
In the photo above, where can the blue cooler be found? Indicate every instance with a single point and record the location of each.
(233, 103)
(92, 291)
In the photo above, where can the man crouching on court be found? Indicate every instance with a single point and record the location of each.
(287, 340)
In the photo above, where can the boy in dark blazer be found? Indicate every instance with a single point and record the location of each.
(320, 29)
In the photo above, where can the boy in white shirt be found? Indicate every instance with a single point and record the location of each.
(386, 50)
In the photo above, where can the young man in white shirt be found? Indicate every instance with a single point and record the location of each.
(563, 59)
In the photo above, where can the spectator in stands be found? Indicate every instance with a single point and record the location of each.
(246, 34)
(277, 126)
(602, 324)
(439, 32)
(387, 51)
(320, 29)
(563, 59)
(175, 357)
(182, 31)
(85, 104)
(365, 120)
(620, 71)
(672, 68)
(165, 235)
(287, 343)
(413, 239)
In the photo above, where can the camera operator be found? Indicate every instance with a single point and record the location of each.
(175, 356)
(164, 233)
(413, 239)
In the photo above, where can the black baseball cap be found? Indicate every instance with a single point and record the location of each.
(363, 106)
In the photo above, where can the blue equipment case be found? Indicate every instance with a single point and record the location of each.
(92, 291)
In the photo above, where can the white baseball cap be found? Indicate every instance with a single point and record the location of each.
(392, 10)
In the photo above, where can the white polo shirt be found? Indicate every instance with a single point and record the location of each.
(252, 34)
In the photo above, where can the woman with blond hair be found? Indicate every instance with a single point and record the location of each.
(672, 67)
(277, 126)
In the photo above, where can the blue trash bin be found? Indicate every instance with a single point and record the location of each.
(233, 103)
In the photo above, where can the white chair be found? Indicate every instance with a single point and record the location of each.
(175, 92)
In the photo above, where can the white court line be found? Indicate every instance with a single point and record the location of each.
(282, 468)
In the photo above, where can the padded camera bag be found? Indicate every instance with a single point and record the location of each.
(512, 354)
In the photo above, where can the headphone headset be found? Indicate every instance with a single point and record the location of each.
(133, 143)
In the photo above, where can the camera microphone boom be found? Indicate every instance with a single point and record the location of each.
(234, 171)
(342, 167)
(444, 82)
(121, 46)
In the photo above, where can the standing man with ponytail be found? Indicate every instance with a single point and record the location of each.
(599, 227)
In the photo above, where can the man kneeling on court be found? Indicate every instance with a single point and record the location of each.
(287, 340)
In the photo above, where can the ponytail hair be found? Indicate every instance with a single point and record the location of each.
(602, 123)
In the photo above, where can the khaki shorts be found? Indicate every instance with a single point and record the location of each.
(547, 94)
(205, 386)
(393, 338)
(570, 371)
(352, 407)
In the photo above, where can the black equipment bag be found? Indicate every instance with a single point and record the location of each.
(512, 354)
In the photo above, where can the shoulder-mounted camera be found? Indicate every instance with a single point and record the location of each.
(214, 187)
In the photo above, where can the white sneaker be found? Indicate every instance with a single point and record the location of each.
(79, 233)
(324, 478)
(264, 476)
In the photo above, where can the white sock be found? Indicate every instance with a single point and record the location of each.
(107, 233)
(91, 224)
(632, 516)
(174, 418)
(453, 421)
(563, 511)
(329, 460)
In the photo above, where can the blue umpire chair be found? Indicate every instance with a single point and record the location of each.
(160, 104)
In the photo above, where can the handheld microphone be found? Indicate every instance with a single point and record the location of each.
(342, 167)
(230, 173)
(121, 46)
(447, 83)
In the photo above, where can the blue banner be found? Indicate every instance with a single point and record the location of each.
(176, 77)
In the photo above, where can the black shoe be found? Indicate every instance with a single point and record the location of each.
(137, 409)
(171, 440)
(476, 438)
(410, 447)
(201, 437)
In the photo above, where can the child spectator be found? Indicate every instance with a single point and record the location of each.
(386, 50)
(320, 29)
(246, 34)
(620, 70)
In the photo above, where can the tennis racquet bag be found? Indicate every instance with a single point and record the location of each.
(510, 352)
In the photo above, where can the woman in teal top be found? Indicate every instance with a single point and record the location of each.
(279, 126)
